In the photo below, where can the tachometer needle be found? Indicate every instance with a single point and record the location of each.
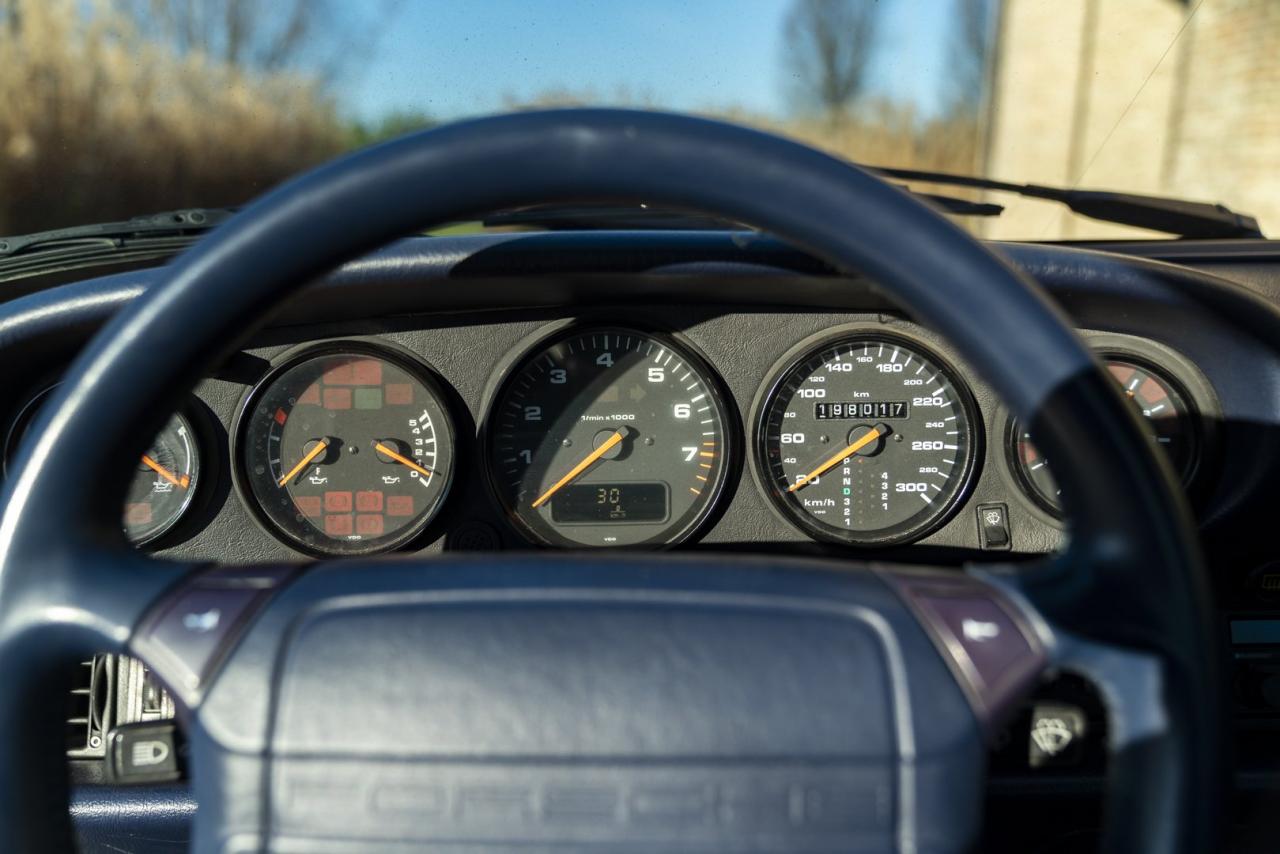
(859, 444)
(182, 482)
(605, 447)
(305, 461)
(400, 458)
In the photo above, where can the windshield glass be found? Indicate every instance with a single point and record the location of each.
(113, 108)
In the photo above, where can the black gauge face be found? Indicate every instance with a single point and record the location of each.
(1166, 409)
(346, 450)
(608, 437)
(164, 486)
(867, 440)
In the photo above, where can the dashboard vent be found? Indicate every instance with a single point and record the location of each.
(106, 692)
(89, 717)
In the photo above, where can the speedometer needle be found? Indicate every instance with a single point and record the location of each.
(401, 459)
(302, 463)
(605, 447)
(859, 444)
(182, 482)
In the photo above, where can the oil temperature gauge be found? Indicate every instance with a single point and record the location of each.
(162, 489)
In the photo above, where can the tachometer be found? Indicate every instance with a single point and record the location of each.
(609, 437)
(867, 439)
(346, 450)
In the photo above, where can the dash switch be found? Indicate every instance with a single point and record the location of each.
(993, 526)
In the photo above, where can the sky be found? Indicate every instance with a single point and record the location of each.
(468, 57)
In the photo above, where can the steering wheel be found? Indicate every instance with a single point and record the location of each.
(602, 701)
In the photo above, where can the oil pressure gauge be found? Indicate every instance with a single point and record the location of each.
(346, 449)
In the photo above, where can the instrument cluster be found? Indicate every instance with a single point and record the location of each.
(620, 436)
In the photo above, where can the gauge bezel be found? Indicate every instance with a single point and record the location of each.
(808, 349)
(537, 343)
(198, 492)
(1173, 369)
(406, 360)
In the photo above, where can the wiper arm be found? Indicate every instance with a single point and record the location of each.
(1157, 213)
(116, 235)
(644, 218)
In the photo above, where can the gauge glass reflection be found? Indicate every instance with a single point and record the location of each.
(1166, 411)
(867, 439)
(164, 485)
(608, 437)
(346, 451)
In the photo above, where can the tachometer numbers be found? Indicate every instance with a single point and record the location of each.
(609, 437)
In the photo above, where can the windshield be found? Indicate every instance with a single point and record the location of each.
(114, 108)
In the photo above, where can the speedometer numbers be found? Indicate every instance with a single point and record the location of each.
(868, 439)
(608, 437)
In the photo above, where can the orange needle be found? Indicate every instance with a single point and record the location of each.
(302, 463)
(580, 467)
(183, 482)
(862, 442)
(403, 460)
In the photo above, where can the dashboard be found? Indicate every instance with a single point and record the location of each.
(693, 391)
(648, 428)
(655, 413)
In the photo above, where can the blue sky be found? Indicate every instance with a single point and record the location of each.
(451, 59)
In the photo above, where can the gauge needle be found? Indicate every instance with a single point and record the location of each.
(618, 436)
(183, 481)
(862, 442)
(400, 458)
(302, 463)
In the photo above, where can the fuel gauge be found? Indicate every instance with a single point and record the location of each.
(1166, 409)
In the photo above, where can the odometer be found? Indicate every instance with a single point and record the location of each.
(867, 439)
(608, 437)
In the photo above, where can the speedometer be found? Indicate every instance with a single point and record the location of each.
(867, 439)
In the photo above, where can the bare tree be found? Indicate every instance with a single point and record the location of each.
(322, 36)
(970, 55)
(828, 46)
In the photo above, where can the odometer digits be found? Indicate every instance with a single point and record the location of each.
(867, 439)
(608, 437)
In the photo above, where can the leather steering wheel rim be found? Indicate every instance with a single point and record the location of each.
(1132, 576)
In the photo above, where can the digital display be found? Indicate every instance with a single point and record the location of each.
(826, 410)
(1255, 632)
(587, 503)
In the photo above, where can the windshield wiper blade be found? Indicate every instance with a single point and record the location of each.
(645, 218)
(1156, 213)
(111, 236)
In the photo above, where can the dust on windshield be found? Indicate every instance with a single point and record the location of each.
(113, 108)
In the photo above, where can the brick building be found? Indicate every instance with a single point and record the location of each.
(1172, 97)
